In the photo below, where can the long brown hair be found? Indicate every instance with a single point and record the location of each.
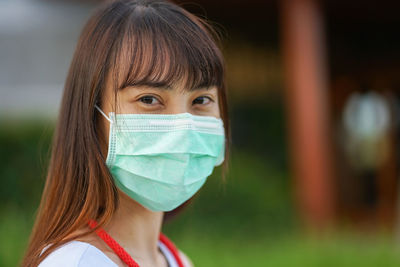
(132, 42)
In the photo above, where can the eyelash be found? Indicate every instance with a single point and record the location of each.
(209, 98)
(147, 96)
(153, 97)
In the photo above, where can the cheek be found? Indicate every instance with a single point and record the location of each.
(104, 125)
(218, 109)
(217, 112)
(126, 104)
(104, 129)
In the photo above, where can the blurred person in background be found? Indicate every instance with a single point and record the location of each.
(143, 122)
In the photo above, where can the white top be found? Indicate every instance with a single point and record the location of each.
(82, 254)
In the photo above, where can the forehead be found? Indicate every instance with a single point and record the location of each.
(165, 72)
(163, 62)
(110, 90)
(180, 87)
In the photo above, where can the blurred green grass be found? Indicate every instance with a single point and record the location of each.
(247, 221)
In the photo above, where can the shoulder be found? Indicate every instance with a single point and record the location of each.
(77, 254)
(185, 259)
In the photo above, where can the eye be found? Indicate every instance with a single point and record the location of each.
(202, 100)
(149, 100)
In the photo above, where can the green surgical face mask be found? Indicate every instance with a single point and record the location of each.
(162, 160)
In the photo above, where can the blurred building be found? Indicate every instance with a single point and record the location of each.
(364, 62)
(342, 63)
(37, 39)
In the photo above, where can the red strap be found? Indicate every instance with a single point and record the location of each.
(168, 243)
(121, 252)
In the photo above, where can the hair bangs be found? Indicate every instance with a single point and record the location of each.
(166, 49)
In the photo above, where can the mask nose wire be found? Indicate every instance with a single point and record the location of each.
(102, 113)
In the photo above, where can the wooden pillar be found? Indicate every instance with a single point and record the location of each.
(307, 108)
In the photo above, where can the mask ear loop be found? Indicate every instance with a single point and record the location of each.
(102, 113)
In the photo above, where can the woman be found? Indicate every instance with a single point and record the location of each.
(143, 122)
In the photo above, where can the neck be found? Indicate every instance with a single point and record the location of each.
(136, 229)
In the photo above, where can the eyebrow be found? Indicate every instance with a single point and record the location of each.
(162, 85)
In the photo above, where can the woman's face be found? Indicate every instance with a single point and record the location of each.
(158, 100)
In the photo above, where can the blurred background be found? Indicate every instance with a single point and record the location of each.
(314, 91)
